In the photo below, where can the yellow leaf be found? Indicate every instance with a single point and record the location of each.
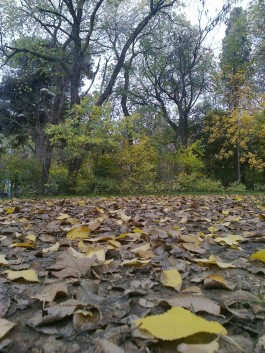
(52, 248)
(22, 245)
(124, 217)
(144, 247)
(31, 238)
(213, 229)
(3, 261)
(134, 262)
(178, 323)
(138, 230)
(213, 261)
(225, 212)
(122, 236)
(171, 278)
(10, 210)
(81, 232)
(259, 255)
(96, 252)
(5, 326)
(28, 275)
(63, 216)
(114, 243)
(230, 239)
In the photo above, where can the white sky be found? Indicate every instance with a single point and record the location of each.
(213, 7)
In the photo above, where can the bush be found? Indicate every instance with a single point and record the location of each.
(58, 180)
(198, 183)
(103, 186)
(22, 171)
(235, 188)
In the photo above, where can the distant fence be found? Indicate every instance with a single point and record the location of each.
(5, 188)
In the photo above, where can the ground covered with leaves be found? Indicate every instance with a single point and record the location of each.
(138, 274)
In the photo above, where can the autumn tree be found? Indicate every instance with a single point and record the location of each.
(72, 29)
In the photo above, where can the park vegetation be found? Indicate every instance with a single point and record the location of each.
(115, 96)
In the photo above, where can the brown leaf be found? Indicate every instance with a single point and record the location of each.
(106, 346)
(70, 266)
(49, 292)
(194, 302)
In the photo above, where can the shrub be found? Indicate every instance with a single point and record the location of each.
(198, 183)
(235, 188)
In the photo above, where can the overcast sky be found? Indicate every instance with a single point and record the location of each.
(213, 7)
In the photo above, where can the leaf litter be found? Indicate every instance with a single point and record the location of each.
(117, 275)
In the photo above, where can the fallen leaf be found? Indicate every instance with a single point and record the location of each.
(218, 281)
(194, 303)
(97, 252)
(259, 255)
(63, 216)
(54, 313)
(81, 232)
(134, 262)
(106, 346)
(5, 327)
(178, 323)
(27, 275)
(3, 261)
(193, 248)
(70, 266)
(214, 261)
(52, 248)
(229, 240)
(198, 348)
(171, 278)
(49, 292)
(23, 245)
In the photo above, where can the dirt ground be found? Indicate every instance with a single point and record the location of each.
(76, 274)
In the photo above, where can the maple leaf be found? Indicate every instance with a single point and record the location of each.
(69, 266)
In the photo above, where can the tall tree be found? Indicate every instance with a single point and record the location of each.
(235, 67)
(257, 25)
(72, 30)
(235, 56)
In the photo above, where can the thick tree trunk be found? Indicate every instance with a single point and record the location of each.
(43, 153)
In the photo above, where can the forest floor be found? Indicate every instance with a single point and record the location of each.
(133, 274)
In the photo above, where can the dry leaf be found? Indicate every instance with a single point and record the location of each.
(214, 261)
(3, 261)
(198, 348)
(134, 262)
(49, 292)
(171, 278)
(81, 232)
(106, 346)
(70, 266)
(217, 281)
(229, 240)
(52, 248)
(178, 323)
(259, 255)
(194, 303)
(27, 275)
(5, 327)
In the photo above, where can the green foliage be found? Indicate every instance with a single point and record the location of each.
(58, 180)
(138, 163)
(189, 160)
(22, 170)
(236, 188)
(87, 128)
(199, 183)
